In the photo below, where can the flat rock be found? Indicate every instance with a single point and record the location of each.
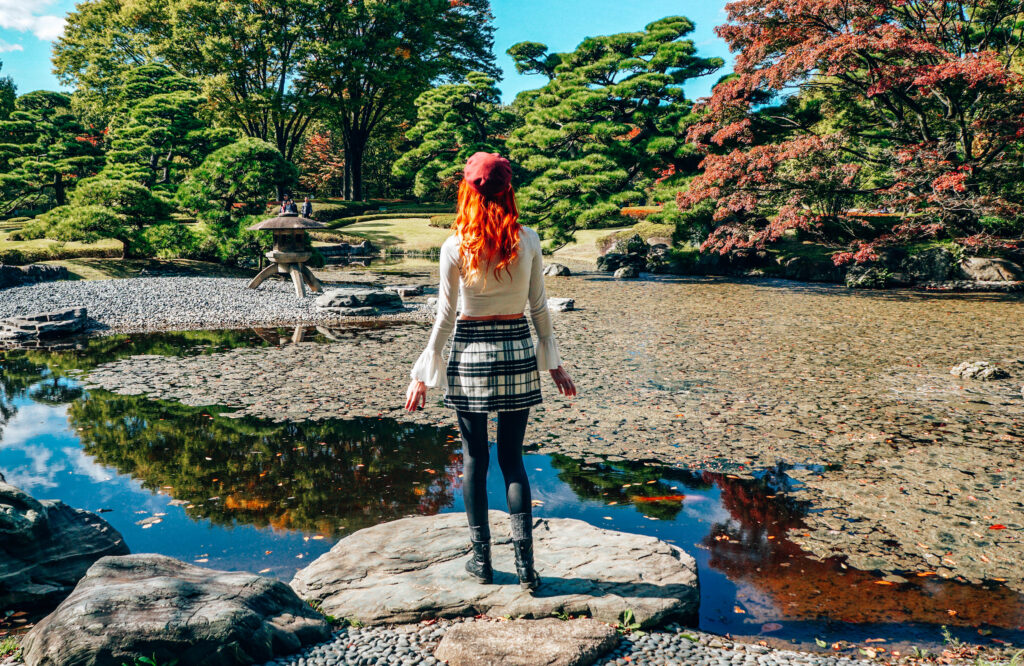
(557, 269)
(550, 642)
(561, 304)
(412, 569)
(159, 607)
(57, 323)
(349, 298)
(46, 547)
(405, 290)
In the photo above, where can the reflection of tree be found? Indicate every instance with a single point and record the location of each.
(604, 482)
(753, 547)
(330, 477)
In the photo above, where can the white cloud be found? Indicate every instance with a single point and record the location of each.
(6, 48)
(31, 16)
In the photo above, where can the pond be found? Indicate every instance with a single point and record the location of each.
(204, 486)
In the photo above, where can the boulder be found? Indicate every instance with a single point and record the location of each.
(980, 370)
(527, 642)
(46, 547)
(626, 272)
(991, 269)
(412, 569)
(867, 277)
(57, 323)
(159, 607)
(557, 269)
(358, 301)
(12, 276)
(561, 304)
(931, 265)
(363, 249)
(615, 260)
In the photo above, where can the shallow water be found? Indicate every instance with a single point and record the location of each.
(248, 494)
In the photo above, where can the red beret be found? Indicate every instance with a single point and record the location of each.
(489, 174)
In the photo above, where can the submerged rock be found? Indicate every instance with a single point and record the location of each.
(981, 370)
(160, 607)
(527, 642)
(46, 547)
(412, 569)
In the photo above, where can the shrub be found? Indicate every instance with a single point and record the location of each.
(32, 230)
(170, 240)
(137, 205)
(640, 212)
(999, 226)
(645, 230)
(442, 221)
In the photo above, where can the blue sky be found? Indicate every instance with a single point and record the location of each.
(28, 27)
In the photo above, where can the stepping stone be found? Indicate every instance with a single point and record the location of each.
(405, 290)
(412, 569)
(527, 643)
(157, 606)
(46, 547)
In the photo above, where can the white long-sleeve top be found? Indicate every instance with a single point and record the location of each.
(509, 293)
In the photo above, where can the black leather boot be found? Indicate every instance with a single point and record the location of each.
(479, 564)
(522, 543)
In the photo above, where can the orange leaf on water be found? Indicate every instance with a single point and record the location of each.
(997, 527)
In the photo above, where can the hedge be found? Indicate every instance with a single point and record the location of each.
(444, 221)
(345, 221)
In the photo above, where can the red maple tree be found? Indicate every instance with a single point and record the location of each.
(321, 163)
(914, 105)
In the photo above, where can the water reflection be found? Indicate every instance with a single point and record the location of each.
(242, 493)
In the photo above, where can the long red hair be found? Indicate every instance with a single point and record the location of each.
(488, 231)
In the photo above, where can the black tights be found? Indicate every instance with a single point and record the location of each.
(476, 456)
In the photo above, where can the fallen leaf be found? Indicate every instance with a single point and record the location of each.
(737, 609)
(997, 527)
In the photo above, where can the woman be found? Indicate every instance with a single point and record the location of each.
(497, 267)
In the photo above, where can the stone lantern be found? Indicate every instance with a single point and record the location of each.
(289, 255)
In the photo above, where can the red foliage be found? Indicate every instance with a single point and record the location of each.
(639, 212)
(910, 88)
(321, 162)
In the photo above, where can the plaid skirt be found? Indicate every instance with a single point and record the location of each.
(492, 367)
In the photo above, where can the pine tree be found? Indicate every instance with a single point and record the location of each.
(44, 151)
(611, 119)
(452, 122)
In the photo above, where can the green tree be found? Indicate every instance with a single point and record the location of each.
(375, 58)
(610, 121)
(453, 121)
(8, 93)
(247, 56)
(104, 208)
(160, 137)
(231, 184)
(44, 151)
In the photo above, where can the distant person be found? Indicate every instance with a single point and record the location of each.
(288, 206)
(307, 208)
(494, 363)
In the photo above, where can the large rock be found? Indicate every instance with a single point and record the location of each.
(527, 643)
(933, 264)
(557, 269)
(412, 569)
(53, 324)
(154, 605)
(13, 276)
(991, 269)
(405, 290)
(867, 277)
(46, 547)
(358, 301)
(626, 272)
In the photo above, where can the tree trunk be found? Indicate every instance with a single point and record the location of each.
(355, 148)
(58, 190)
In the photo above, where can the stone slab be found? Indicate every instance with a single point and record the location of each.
(550, 642)
(561, 304)
(156, 606)
(44, 324)
(412, 569)
(357, 297)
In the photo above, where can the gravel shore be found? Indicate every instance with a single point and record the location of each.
(169, 303)
(414, 644)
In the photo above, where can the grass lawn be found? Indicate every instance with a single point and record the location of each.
(584, 248)
(43, 247)
(406, 234)
(108, 269)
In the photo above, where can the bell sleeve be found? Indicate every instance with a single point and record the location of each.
(548, 357)
(429, 367)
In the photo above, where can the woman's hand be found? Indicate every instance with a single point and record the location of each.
(563, 381)
(416, 395)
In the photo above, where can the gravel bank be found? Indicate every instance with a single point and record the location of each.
(163, 303)
(414, 644)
